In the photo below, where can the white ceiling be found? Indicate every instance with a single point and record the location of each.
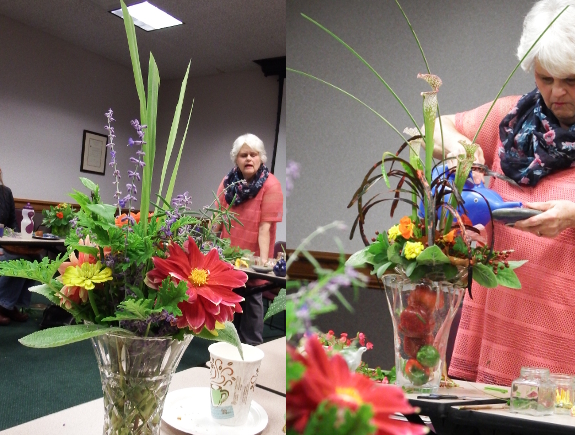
(219, 36)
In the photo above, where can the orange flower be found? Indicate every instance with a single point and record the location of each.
(60, 215)
(406, 227)
(121, 220)
(450, 237)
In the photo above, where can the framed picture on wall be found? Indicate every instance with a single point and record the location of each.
(94, 152)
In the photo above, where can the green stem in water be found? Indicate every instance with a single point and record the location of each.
(92, 299)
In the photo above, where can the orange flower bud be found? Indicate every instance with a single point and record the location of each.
(406, 227)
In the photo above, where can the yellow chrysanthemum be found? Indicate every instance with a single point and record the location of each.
(86, 275)
(393, 232)
(412, 249)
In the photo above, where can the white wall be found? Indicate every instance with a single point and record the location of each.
(50, 91)
(469, 44)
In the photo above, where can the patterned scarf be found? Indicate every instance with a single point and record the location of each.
(242, 189)
(534, 144)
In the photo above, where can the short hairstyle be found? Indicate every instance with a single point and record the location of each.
(555, 51)
(251, 140)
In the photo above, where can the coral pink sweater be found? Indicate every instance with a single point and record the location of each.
(502, 329)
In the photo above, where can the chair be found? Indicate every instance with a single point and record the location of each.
(269, 295)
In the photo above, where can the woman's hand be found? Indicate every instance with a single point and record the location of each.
(451, 145)
(556, 217)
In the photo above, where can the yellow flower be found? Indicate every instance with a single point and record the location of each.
(412, 249)
(86, 275)
(393, 232)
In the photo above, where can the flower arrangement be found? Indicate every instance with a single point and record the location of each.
(332, 342)
(323, 395)
(427, 243)
(58, 218)
(166, 275)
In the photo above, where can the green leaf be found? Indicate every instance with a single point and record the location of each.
(383, 268)
(360, 258)
(169, 296)
(410, 268)
(89, 184)
(432, 256)
(149, 147)
(173, 133)
(45, 291)
(516, 264)
(484, 275)
(450, 271)
(460, 246)
(177, 164)
(135, 57)
(394, 254)
(81, 198)
(329, 419)
(132, 309)
(507, 277)
(419, 272)
(105, 211)
(228, 334)
(59, 336)
(278, 305)
(294, 371)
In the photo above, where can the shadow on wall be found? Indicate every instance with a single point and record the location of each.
(370, 316)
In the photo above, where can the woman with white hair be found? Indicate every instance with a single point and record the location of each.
(256, 196)
(530, 139)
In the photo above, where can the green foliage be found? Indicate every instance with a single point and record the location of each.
(328, 419)
(294, 371)
(228, 335)
(484, 275)
(58, 216)
(432, 256)
(278, 305)
(42, 271)
(61, 335)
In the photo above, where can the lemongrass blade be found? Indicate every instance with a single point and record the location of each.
(349, 95)
(356, 54)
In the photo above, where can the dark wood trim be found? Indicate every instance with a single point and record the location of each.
(304, 270)
(37, 204)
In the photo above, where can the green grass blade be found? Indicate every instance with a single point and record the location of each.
(150, 137)
(177, 164)
(415, 36)
(356, 54)
(174, 129)
(135, 57)
(513, 72)
(349, 95)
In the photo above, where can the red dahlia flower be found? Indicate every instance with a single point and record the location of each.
(330, 379)
(210, 285)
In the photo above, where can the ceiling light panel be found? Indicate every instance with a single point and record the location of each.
(148, 17)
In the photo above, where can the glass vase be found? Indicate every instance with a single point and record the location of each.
(60, 231)
(422, 313)
(136, 373)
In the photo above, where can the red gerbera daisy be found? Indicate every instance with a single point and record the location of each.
(210, 285)
(330, 379)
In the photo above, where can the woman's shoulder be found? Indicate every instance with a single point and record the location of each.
(5, 190)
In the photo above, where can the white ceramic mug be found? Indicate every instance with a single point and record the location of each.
(232, 382)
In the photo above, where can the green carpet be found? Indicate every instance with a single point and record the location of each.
(38, 382)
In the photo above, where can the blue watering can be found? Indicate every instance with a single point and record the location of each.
(475, 203)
